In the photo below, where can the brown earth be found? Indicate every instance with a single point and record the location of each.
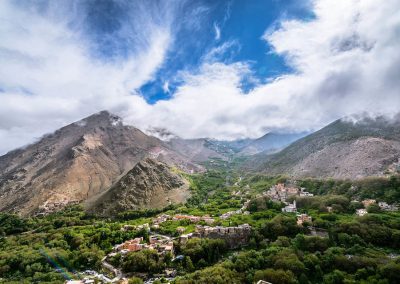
(150, 184)
(77, 162)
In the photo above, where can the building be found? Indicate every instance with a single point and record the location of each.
(387, 207)
(193, 219)
(234, 236)
(368, 202)
(162, 246)
(280, 192)
(184, 238)
(132, 245)
(304, 193)
(263, 282)
(161, 219)
(290, 208)
(361, 212)
(301, 218)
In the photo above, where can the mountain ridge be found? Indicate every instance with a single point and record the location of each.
(76, 162)
(321, 153)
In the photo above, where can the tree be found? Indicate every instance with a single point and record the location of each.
(335, 277)
(142, 261)
(135, 280)
(391, 271)
(373, 208)
(188, 264)
(278, 276)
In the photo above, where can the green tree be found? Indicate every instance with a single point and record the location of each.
(135, 280)
(188, 264)
(278, 276)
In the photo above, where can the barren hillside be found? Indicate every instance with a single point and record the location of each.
(76, 162)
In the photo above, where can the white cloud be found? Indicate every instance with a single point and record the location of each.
(166, 87)
(346, 61)
(48, 76)
(222, 51)
(217, 31)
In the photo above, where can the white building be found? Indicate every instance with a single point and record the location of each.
(387, 207)
(291, 208)
(361, 212)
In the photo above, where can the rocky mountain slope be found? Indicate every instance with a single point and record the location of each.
(343, 149)
(150, 184)
(76, 162)
(270, 143)
(198, 150)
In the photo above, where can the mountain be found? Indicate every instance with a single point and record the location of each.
(77, 162)
(198, 150)
(270, 142)
(150, 184)
(343, 149)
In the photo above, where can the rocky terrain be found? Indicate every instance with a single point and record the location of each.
(150, 184)
(85, 159)
(343, 149)
(77, 162)
(198, 150)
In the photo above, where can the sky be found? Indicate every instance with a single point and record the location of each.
(219, 69)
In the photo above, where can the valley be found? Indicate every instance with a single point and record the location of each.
(199, 211)
(199, 142)
(321, 240)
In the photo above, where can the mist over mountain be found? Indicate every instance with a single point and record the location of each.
(270, 142)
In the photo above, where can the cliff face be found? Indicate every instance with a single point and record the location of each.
(77, 162)
(150, 184)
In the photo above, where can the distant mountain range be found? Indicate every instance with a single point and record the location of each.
(111, 166)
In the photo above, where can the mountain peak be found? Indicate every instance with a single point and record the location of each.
(102, 118)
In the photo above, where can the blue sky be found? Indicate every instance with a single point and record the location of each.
(220, 69)
(240, 24)
(243, 24)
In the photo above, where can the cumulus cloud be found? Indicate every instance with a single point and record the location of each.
(49, 75)
(345, 60)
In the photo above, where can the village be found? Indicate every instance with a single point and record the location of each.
(384, 206)
(234, 236)
(280, 193)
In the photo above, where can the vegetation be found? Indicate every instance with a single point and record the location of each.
(352, 249)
